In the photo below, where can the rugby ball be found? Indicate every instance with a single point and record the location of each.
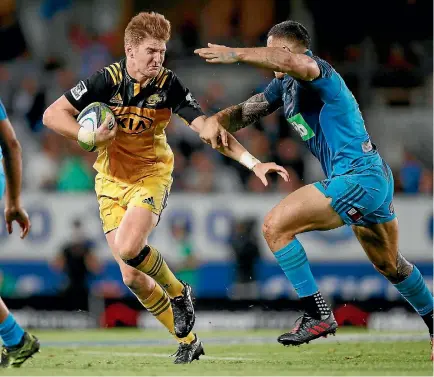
(91, 117)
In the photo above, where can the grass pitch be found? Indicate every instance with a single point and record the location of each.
(235, 353)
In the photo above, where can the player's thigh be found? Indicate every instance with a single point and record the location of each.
(133, 231)
(111, 241)
(109, 195)
(146, 200)
(304, 210)
(385, 212)
(380, 243)
(151, 193)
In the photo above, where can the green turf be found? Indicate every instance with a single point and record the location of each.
(318, 358)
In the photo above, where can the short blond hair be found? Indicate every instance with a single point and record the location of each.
(147, 25)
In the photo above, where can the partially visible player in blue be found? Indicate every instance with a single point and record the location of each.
(18, 345)
(358, 190)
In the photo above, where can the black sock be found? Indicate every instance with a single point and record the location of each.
(315, 306)
(428, 319)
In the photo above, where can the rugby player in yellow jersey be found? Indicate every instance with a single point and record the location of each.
(135, 164)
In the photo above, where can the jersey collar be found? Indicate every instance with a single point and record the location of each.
(137, 86)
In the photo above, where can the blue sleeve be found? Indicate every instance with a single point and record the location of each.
(273, 93)
(3, 114)
(328, 84)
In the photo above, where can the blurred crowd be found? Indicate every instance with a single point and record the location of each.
(54, 43)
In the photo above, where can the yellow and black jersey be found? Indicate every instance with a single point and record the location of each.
(142, 113)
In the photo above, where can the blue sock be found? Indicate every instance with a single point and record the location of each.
(416, 292)
(10, 331)
(293, 261)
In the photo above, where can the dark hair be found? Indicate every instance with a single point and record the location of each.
(291, 30)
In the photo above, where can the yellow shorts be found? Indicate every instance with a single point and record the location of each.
(115, 197)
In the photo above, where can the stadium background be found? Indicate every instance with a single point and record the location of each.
(210, 233)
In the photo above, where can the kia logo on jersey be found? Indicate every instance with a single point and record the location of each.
(134, 124)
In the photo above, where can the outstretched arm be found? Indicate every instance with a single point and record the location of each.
(278, 59)
(238, 153)
(236, 117)
(239, 116)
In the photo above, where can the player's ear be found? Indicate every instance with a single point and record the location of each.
(129, 51)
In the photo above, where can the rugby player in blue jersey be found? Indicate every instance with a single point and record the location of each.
(358, 190)
(18, 345)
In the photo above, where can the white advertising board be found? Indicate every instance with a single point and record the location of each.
(210, 219)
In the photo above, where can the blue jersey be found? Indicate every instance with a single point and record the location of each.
(326, 115)
(3, 116)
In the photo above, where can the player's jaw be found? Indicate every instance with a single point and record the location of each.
(151, 70)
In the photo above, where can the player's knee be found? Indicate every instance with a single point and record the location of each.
(268, 228)
(272, 228)
(133, 255)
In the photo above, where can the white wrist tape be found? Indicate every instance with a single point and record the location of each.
(86, 136)
(248, 160)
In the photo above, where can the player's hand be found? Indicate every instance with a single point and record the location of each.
(213, 133)
(218, 54)
(19, 215)
(262, 168)
(106, 133)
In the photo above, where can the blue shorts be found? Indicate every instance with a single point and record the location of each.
(2, 180)
(362, 197)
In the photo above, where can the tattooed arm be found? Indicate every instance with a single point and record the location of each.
(239, 116)
(236, 117)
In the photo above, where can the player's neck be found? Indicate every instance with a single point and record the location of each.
(136, 75)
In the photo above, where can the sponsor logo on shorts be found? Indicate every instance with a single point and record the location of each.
(78, 91)
(149, 201)
(354, 214)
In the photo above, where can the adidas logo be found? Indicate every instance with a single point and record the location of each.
(117, 99)
(149, 201)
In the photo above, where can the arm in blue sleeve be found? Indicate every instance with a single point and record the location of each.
(3, 114)
(273, 94)
(328, 84)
